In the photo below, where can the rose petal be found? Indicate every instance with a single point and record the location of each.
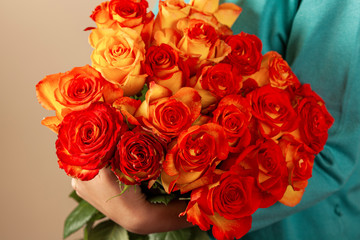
(224, 229)
(191, 98)
(52, 123)
(111, 92)
(291, 198)
(45, 92)
(207, 6)
(227, 13)
(78, 172)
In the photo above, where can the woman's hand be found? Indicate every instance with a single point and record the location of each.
(130, 209)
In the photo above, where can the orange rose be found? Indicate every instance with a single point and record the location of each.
(118, 56)
(198, 149)
(168, 115)
(72, 91)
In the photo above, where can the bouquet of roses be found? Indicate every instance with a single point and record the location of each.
(179, 103)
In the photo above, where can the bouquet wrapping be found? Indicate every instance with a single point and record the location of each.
(178, 102)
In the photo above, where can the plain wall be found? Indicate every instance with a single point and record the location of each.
(38, 38)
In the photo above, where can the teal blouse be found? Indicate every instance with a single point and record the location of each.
(320, 39)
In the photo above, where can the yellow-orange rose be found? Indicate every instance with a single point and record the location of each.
(197, 42)
(166, 115)
(73, 91)
(118, 55)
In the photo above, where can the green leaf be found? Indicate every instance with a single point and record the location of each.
(164, 199)
(108, 230)
(141, 96)
(134, 236)
(74, 196)
(193, 233)
(96, 216)
(78, 218)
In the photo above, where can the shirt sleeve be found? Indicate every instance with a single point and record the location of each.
(320, 41)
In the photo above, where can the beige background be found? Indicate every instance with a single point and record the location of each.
(38, 38)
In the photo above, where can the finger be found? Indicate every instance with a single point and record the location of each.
(73, 183)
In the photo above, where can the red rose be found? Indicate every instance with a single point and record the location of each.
(273, 110)
(226, 203)
(267, 161)
(220, 79)
(233, 114)
(87, 140)
(138, 158)
(315, 120)
(299, 162)
(164, 67)
(245, 53)
(236, 195)
(197, 150)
